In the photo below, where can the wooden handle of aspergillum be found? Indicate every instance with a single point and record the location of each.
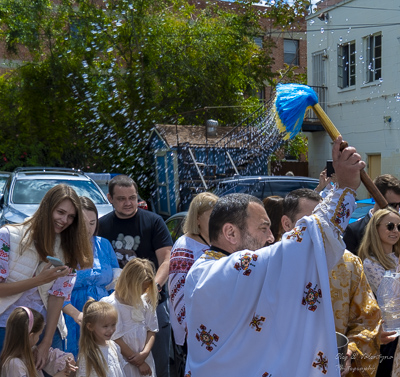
(334, 133)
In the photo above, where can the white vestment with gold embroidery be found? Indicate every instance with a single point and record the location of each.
(269, 312)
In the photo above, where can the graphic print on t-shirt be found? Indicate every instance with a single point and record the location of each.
(125, 248)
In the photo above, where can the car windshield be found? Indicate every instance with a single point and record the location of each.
(32, 191)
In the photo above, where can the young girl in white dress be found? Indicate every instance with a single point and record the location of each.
(99, 356)
(135, 299)
(24, 327)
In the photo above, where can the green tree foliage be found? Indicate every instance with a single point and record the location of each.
(92, 78)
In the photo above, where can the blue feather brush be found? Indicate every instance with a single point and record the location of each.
(290, 105)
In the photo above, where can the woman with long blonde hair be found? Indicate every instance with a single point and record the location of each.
(380, 246)
(99, 356)
(135, 299)
(186, 250)
(379, 251)
(57, 229)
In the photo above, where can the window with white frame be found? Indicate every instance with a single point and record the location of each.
(347, 65)
(373, 49)
(291, 51)
(258, 41)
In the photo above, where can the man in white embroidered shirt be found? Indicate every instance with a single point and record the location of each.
(268, 312)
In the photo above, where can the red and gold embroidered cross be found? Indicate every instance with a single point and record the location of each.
(297, 232)
(257, 322)
(311, 298)
(206, 338)
(245, 262)
(321, 362)
(342, 213)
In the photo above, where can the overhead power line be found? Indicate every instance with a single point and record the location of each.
(327, 27)
(368, 8)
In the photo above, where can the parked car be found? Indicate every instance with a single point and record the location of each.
(263, 186)
(175, 224)
(4, 175)
(26, 187)
(259, 186)
(363, 207)
(102, 180)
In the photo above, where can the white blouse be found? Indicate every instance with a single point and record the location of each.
(374, 271)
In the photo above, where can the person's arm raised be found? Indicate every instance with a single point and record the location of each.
(347, 164)
(334, 212)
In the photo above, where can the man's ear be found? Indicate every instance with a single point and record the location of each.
(109, 197)
(231, 233)
(287, 224)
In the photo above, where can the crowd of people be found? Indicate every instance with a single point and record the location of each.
(255, 288)
(102, 310)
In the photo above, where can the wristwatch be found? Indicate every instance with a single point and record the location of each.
(158, 287)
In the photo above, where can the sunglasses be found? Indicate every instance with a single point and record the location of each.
(390, 226)
(394, 205)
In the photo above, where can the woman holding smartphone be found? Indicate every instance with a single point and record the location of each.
(57, 229)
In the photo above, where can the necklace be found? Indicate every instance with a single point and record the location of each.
(202, 238)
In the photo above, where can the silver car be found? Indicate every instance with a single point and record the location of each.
(26, 187)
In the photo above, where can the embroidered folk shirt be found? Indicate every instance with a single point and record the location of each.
(184, 253)
(269, 312)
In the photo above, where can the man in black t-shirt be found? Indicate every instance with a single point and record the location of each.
(136, 232)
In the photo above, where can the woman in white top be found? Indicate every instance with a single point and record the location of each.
(186, 250)
(380, 246)
(56, 229)
(379, 251)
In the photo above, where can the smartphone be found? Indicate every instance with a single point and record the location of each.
(329, 168)
(55, 261)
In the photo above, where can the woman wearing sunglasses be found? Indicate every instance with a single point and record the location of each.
(380, 246)
(379, 251)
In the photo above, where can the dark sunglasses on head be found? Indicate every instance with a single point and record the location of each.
(394, 205)
(390, 226)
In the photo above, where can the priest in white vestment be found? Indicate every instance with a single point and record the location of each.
(268, 312)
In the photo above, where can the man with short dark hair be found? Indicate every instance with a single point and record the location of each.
(239, 222)
(134, 232)
(356, 311)
(267, 312)
(389, 186)
(296, 203)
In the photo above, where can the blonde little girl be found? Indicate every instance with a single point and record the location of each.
(23, 329)
(135, 299)
(99, 356)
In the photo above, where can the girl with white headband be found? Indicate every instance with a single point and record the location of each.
(24, 327)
